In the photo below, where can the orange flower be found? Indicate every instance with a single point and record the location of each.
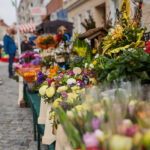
(141, 115)
(55, 67)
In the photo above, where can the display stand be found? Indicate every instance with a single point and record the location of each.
(43, 112)
(48, 137)
(62, 141)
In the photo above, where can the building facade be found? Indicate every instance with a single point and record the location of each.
(78, 10)
(54, 10)
(100, 10)
(24, 11)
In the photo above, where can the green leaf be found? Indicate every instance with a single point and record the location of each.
(13, 3)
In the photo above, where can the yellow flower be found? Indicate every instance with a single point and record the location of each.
(56, 103)
(75, 88)
(71, 97)
(42, 90)
(79, 108)
(35, 78)
(93, 80)
(94, 51)
(94, 62)
(50, 92)
(62, 88)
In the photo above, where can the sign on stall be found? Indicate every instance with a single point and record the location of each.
(37, 11)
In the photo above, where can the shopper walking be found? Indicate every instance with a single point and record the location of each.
(25, 46)
(10, 49)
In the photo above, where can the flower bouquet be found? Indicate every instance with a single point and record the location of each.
(99, 123)
(46, 41)
(28, 66)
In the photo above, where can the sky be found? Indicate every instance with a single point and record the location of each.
(7, 11)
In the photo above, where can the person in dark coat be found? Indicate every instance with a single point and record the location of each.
(25, 46)
(10, 49)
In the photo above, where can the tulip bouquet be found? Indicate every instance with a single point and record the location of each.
(100, 122)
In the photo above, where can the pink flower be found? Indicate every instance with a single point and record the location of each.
(71, 73)
(96, 123)
(86, 74)
(60, 76)
(131, 131)
(90, 140)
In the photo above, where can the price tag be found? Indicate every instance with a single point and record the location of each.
(77, 70)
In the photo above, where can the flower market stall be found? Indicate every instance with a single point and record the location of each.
(91, 98)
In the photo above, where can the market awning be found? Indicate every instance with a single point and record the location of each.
(26, 28)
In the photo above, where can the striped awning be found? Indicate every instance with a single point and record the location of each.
(27, 28)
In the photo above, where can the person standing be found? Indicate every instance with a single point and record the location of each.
(25, 45)
(10, 49)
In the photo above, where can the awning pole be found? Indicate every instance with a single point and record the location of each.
(18, 32)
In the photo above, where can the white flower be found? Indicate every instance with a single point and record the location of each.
(96, 56)
(91, 66)
(86, 64)
(99, 134)
(111, 31)
(71, 81)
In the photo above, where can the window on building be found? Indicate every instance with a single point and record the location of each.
(32, 19)
(79, 23)
(88, 14)
(73, 21)
(31, 4)
(64, 1)
(45, 2)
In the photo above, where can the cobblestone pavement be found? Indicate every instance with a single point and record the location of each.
(16, 125)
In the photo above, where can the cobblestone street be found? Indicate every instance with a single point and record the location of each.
(16, 126)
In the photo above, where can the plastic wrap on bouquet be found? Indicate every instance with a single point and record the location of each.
(48, 137)
(20, 98)
(62, 141)
(43, 112)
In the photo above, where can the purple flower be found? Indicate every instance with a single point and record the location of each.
(90, 140)
(64, 94)
(48, 80)
(71, 73)
(131, 109)
(63, 105)
(96, 123)
(36, 61)
(40, 73)
(57, 85)
(40, 79)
